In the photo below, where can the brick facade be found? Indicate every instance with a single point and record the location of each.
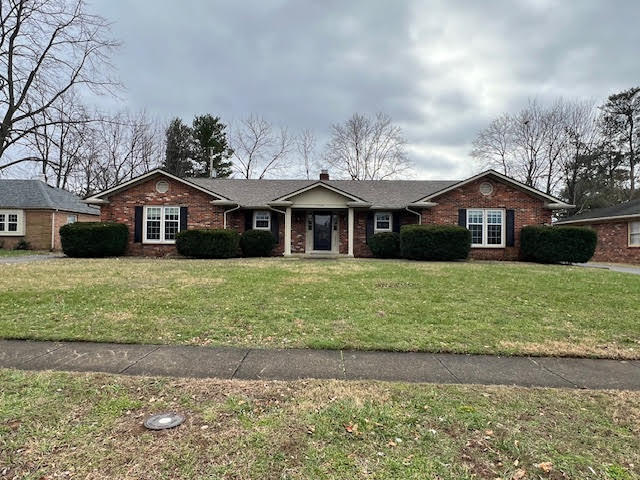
(529, 210)
(38, 228)
(613, 243)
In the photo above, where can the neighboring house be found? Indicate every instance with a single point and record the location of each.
(325, 216)
(33, 211)
(618, 229)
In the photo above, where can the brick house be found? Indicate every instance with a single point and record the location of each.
(618, 229)
(33, 211)
(325, 217)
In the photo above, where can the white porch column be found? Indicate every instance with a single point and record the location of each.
(351, 225)
(287, 232)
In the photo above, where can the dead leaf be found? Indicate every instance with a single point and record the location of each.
(520, 474)
(351, 428)
(546, 467)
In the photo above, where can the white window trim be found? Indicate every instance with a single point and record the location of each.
(632, 245)
(375, 222)
(161, 241)
(485, 211)
(20, 229)
(255, 214)
(73, 217)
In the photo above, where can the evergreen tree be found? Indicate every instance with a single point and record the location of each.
(210, 147)
(179, 149)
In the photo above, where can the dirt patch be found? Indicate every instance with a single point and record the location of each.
(584, 348)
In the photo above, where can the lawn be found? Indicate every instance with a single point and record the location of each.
(61, 425)
(471, 307)
(20, 253)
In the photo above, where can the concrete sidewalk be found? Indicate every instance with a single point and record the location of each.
(255, 364)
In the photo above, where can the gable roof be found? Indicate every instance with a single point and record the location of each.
(380, 193)
(555, 202)
(622, 210)
(30, 194)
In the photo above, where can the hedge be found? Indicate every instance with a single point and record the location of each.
(207, 243)
(557, 244)
(94, 239)
(434, 242)
(385, 245)
(257, 243)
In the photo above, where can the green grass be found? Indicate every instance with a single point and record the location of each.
(61, 425)
(20, 253)
(455, 307)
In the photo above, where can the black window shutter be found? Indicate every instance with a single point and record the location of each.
(184, 213)
(248, 220)
(275, 225)
(462, 217)
(137, 222)
(369, 227)
(511, 228)
(396, 222)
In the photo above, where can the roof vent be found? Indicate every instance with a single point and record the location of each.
(324, 174)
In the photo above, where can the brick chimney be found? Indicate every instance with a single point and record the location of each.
(324, 174)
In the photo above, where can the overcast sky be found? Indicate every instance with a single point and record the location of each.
(441, 69)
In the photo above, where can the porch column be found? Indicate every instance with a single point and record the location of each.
(287, 232)
(350, 223)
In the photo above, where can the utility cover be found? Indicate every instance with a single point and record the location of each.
(162, 421)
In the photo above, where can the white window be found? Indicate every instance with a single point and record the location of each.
(383, 222)
(486, 227)
(634, 234)
(11, 222)
(261, 220)
(72, 218)
(161, 224)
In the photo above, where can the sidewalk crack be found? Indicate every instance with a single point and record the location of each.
(138, 360)
(233, 375)
(547, 369)
(448, 370)
(35, 357)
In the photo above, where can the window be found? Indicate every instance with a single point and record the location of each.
(261, 220)
(486, 227)
(634, 234)
(383, 222)
(161, 224)
(11, 222)
(72, 218)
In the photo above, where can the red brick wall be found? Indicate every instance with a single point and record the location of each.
(529, 210)
(360, 247)
(613, 243)
(121, 209)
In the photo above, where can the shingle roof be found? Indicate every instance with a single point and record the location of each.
(37, 194)
(620, 210)
(382, 193)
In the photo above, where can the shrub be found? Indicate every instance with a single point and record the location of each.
(257, 243)
(207, 243)
(385, 245)
(22, 245)
(94, 239)
(434, 242)
(557, 244)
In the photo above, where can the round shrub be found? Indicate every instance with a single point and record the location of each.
(546, 244)
(94, 239)
(385, 245)
(207, 243)
(434, 242)
(257, 243)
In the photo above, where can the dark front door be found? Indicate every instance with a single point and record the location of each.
(322, 231)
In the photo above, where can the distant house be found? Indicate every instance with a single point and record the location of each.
(33, 211)
(327, 217)
(618, 229)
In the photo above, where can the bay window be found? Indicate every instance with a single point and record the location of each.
(486, 227)
(161, 224)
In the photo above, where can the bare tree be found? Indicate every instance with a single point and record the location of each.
(494, 144)
(259, 149)
(48, 48)
(306, 145)
(365, 148)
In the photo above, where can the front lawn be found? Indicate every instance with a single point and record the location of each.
(60, 425)
(352, 304)
(20, 253)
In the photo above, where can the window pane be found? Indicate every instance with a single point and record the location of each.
(2, 217)
(494, 216)
(494, 234)
(474, 216)
(170, 230)
(153, 213)
(12, 225)
(476, 234)
(383, 221)
(262, 219)
(13, 217)
(172, 213)
(635, 239)
(153, 230)
(635, 227)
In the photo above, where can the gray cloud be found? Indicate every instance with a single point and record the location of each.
(441, 69)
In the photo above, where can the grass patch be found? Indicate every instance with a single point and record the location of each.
(20, 253)
(496, 308)
(61, 425)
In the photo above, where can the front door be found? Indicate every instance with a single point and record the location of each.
(322, 231)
